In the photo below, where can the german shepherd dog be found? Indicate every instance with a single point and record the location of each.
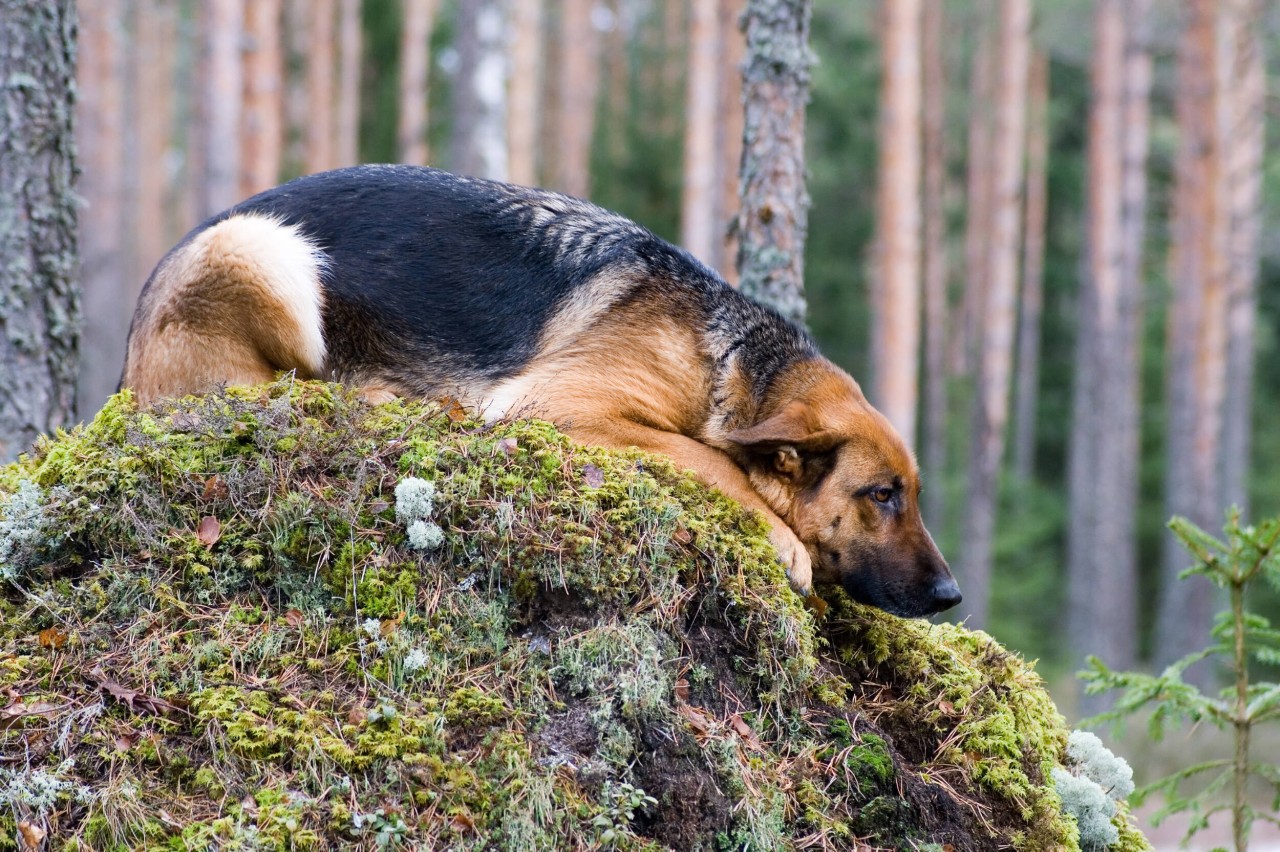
(415, 282)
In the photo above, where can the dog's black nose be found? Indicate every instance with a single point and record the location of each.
(946, 594)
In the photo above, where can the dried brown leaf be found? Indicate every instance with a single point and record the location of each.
(209, 531)
(31, 835)
(52, 637)
(294, 618)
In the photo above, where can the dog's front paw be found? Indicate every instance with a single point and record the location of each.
(795, 556)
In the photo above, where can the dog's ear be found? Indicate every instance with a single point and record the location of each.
(787, 438)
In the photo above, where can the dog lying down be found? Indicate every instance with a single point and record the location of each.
(410, 281)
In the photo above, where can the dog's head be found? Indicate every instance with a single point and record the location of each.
(839, 474)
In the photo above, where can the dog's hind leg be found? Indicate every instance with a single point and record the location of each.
(236, 303)
(713, 467)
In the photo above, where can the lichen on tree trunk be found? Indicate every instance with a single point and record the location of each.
(39, 300)
(774, 217)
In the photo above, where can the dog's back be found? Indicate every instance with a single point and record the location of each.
(406, 278)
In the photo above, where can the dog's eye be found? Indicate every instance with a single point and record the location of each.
(883, 494)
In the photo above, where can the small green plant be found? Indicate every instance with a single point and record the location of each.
(615, 822)
(387, 830)
(1249, 554)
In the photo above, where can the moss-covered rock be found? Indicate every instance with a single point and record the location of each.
(217, 632)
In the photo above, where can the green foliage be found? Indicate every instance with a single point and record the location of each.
(1248, 556)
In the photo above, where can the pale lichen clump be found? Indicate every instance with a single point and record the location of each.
(246, 646)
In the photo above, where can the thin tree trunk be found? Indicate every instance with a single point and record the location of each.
(222, 89)
(1031, 306)
(39, 326)
(934, 212)
(350, 38)
(773, 220)
(698, 231)
(522, 98)
(1103, 484)
(262, 139)
(102, 234)
(729, 137)
(1196, 344)
(977, 235)
(319, 122)
(157, 27)
(415, 66)
(895, 337)
(479, 108)
(579, 81)
(991, 399)
(1247, 148)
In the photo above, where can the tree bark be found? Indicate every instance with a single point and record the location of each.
(262, 139)
(698, 231)
(350, 38)
(1031, 306)
(1196, 332)
(773, 219)
(991, 398)
(152, 83)
(936, 267)
(578, 84)
(522, 99)
(415, 67)
(1247, 149)
(319, 124)
(729, 138)
(896, 287)
(101, 132)
(40, 319)
(222, 88)
(977, 237)
(479, 107)
(1105, 446)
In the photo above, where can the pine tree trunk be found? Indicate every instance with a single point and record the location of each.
(479, 107)
(1031, 306)
(522, 103)
(991, 397)
(578, 83)
(773, 220)
(977, 237)
(262, 138)
(729, 138)
(1196, 334)
(350, 38)
(40, 323)
(222, 89)
(698, 231)
(896, 296)
(936, 267)
(415, 66)
(319, 123)
(101, 135)
(1103, 483)
(1247, 148)
(152, 83)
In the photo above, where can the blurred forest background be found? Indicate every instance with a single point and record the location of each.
(1045, 236)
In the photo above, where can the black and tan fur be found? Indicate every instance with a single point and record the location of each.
(416, 282)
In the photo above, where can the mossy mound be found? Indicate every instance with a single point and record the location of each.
(214, 633)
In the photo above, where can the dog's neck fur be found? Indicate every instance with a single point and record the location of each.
(750, 346)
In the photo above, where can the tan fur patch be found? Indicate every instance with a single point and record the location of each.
(239, 302)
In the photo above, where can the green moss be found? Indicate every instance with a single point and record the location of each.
(592, 620)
